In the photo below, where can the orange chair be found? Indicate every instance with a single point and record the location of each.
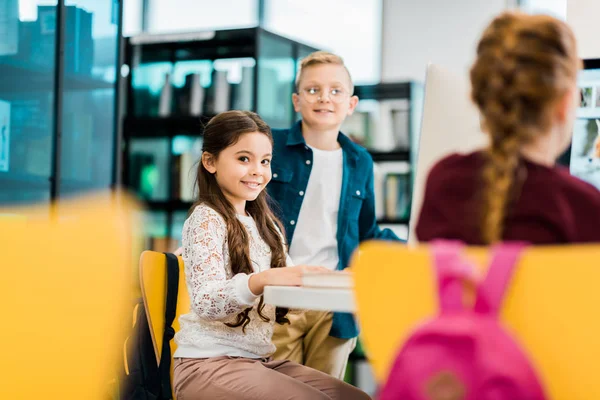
(551, 307)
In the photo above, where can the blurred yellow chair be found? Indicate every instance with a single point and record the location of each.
(153, 281)
(67, 274)
(551, 307)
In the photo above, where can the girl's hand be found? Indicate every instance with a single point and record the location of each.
(287, 276)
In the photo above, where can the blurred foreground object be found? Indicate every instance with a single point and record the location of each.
(65, 296)
(550, 308)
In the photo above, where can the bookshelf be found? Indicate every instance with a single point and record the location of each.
(387, 122)
(176, 84)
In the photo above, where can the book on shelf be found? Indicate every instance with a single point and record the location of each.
(165, 102)
(397, 196)
(241, 94)
(378, 186)
(217, 98)
(187, 174)
(190, 98)
(331, 280)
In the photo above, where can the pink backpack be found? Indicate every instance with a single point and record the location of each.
(465, 353)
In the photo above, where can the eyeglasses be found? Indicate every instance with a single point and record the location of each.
(314, 94)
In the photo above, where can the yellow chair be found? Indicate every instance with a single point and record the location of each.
(153, 282)
(551, 307)
(67, 273)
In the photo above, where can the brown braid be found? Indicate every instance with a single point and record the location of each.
(524, 64)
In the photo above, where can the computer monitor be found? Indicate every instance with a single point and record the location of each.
(450, 124)
(583, 157)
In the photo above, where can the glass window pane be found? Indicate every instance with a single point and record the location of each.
(132, 17)
(276, 68)
(194, 15)
(353, 31)
(556, 8)
(90, 65)
(27, 62)
(23, 192)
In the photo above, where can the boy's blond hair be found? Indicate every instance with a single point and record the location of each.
(319, 58)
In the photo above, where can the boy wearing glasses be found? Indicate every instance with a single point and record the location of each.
(323, 185)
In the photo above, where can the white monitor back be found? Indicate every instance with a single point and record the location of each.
(450, 125)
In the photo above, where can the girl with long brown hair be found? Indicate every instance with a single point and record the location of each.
(233, 247)
(524, 82)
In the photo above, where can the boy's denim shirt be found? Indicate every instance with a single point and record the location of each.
(291, 167)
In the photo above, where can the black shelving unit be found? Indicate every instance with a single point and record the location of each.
(387, 93)
(145, 127)
(152, 142)
(390, 156)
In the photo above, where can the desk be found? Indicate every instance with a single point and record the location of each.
(340, 300)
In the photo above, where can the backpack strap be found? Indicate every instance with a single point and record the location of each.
(452, 270)
(491, 291)
(170, 311)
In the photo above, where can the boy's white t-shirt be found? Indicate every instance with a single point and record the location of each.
(315, 236)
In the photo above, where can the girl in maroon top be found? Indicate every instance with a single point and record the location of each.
(524, 82)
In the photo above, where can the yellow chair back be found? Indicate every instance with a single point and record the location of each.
(153, 281)
(550, 306)
(67, 273)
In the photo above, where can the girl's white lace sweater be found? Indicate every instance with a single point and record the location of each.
(217, 296)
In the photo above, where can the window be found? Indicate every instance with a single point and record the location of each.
(195, 15)
(556, 8)
(349, 28)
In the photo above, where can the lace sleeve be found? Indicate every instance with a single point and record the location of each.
(214, 294)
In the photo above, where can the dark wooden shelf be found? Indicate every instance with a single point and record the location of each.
(384, 91)
(169, 205)
(390, 156)
(147, 127)
(392, 221)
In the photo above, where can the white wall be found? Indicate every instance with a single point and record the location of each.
(583, 16)
(440, 31)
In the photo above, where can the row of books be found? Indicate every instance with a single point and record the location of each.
(393, 195)
(193, 99)
(380, 125)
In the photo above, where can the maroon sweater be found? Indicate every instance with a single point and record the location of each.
(552, 206)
